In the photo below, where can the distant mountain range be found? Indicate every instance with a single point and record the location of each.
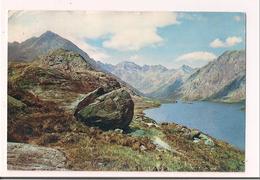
(222, 79)
(147, 78)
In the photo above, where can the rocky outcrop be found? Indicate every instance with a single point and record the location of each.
(63, 55)
(31, 157)
(14, 104)
(109, 111)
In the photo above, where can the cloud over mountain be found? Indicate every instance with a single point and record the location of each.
(195, 59)
(230, 41)
(127, 31)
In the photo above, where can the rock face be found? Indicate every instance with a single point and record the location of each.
(108, 111)
(89, 99)
(31, 157)
(222, 79)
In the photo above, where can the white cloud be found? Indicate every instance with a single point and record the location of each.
(217, 43)
(230, 41)
(125, 30)
(93, 52)
(237, 18)
(194, 59)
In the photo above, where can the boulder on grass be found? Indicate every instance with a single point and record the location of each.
(108, 111)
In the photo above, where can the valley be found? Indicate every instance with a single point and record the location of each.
(63, 102)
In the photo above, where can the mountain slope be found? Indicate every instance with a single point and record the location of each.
(59, 75)
(31, 48)
(36, 47)
(222, 79)
(147, 79)
(174, 83)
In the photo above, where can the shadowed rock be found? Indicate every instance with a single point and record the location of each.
(109, 111)
(90, 98)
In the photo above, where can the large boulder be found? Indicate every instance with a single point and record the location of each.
(108, 111)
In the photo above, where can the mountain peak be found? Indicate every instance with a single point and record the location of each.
(49, 34)
(155, 68)
(128, 65)
(186, 68)
(39, 46)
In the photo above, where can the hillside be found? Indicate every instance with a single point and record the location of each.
(35, 47)
(43, 95)
(220, 80)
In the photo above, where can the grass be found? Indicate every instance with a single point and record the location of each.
(90, 155)
(45, 120)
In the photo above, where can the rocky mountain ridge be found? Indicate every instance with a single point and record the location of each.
(222, 79)
(147, 78)
(36, 47)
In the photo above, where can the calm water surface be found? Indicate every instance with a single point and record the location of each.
(222, 121)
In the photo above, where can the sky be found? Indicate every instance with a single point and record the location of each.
(167, 38)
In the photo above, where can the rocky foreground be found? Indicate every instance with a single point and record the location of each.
(58, 107)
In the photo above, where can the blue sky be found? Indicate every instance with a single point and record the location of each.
(167, 38)
(194, 33)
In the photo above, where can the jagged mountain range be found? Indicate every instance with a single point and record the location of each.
(147, 78)
(222, 79)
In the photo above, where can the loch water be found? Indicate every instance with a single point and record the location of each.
(220, 120)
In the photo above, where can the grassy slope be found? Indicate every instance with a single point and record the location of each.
(47, 122)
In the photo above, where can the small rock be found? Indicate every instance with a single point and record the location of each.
(143, 148)
(209, 142)
(196, 140)
(152, 125)
(206, 139)
(194, 134)
(118, 130)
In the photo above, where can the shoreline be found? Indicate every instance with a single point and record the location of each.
(151, 105)
(148, 146)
